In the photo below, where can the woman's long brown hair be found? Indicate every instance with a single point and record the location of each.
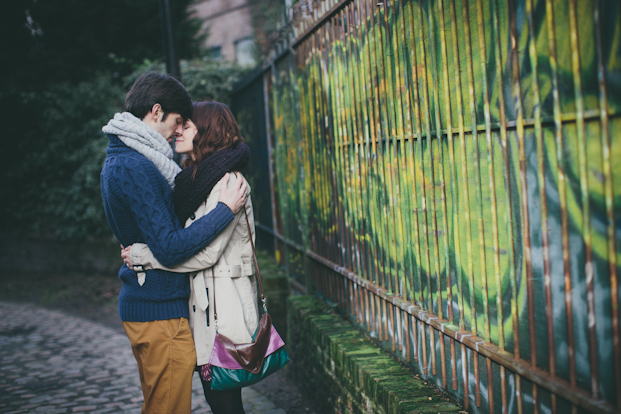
(216, 129)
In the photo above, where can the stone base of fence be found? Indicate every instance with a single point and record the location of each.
(345, 373)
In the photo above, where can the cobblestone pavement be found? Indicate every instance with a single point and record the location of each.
(51, 362)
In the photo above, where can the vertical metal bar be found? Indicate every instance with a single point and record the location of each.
(322, 197)
(503, 135)
(503, 390)
(331, 143)
(424, 346)
(324, 191)
(345, 142)
(477, 166)
(363, 30)
(384, 319)
(430, 133)
(415, 338)
(432, 201)
(270, 151)
(503, 128)
(373, 161)
(490, 390)
(322, 127)
(422, 209)
(368, 244)
(399, 145)
(354, 164)
(341, 111)
(414, 124)
(361, 135)
(440, 168)
(382, 132)
(477, 386)
(609, 199)
(377, 79)
(562, 189)
(332, 80)
(433, 100)
(460, 112)
(477, 379)
(380, 322)
(471, 286)
(358, 157)
(407, 336)
(391, 143)
(406, 157)
(453, 180)
(399, 151)
(393, 332)
(349, 131)
(584, 190)
(464, 374)
(371, 143)
(363, 160)
(374, 134)
(311, 172)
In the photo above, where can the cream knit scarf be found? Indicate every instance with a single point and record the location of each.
(141, 137)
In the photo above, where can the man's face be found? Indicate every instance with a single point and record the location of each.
(170, 127)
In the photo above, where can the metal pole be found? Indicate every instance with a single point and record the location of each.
(168, 39)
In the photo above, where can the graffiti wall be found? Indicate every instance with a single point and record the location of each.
(448, 174)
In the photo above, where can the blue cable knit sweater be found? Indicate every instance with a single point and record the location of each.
(138, 205)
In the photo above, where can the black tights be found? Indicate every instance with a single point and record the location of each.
(223, 402)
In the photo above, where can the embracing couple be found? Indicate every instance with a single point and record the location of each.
(175, 221)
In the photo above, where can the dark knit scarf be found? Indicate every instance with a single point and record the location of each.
(190, 192)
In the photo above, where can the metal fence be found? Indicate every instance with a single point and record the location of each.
(444, 172)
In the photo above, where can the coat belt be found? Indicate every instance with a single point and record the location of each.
(230, 271)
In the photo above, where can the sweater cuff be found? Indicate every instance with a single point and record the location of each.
(227, 207)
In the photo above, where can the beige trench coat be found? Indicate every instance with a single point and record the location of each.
(230, 256)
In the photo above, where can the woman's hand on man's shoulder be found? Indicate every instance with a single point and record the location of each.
(236, 195)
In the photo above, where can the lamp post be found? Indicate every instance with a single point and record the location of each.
(168, 39)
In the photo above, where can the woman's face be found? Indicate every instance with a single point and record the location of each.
(184, 144)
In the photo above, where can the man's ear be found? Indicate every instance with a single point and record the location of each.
(156, 113)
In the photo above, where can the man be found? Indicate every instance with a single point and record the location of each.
(136, 187)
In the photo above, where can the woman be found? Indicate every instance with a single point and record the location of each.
(210, 139)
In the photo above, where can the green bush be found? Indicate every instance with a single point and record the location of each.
(52, 170)
(53, 177)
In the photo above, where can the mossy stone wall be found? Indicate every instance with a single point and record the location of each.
(345, 373)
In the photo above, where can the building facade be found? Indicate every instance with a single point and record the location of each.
(229, 25)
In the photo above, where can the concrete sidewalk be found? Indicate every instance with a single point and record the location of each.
(51, 362)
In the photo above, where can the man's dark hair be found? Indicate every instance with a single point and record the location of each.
(152, 88)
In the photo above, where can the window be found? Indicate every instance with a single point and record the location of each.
(244, 49)
(215, 52)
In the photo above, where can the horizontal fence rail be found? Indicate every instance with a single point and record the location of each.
(448, 174)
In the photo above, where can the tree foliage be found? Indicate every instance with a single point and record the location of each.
(52, 170)
(267, 15)
(70, 64)
(71, 39)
